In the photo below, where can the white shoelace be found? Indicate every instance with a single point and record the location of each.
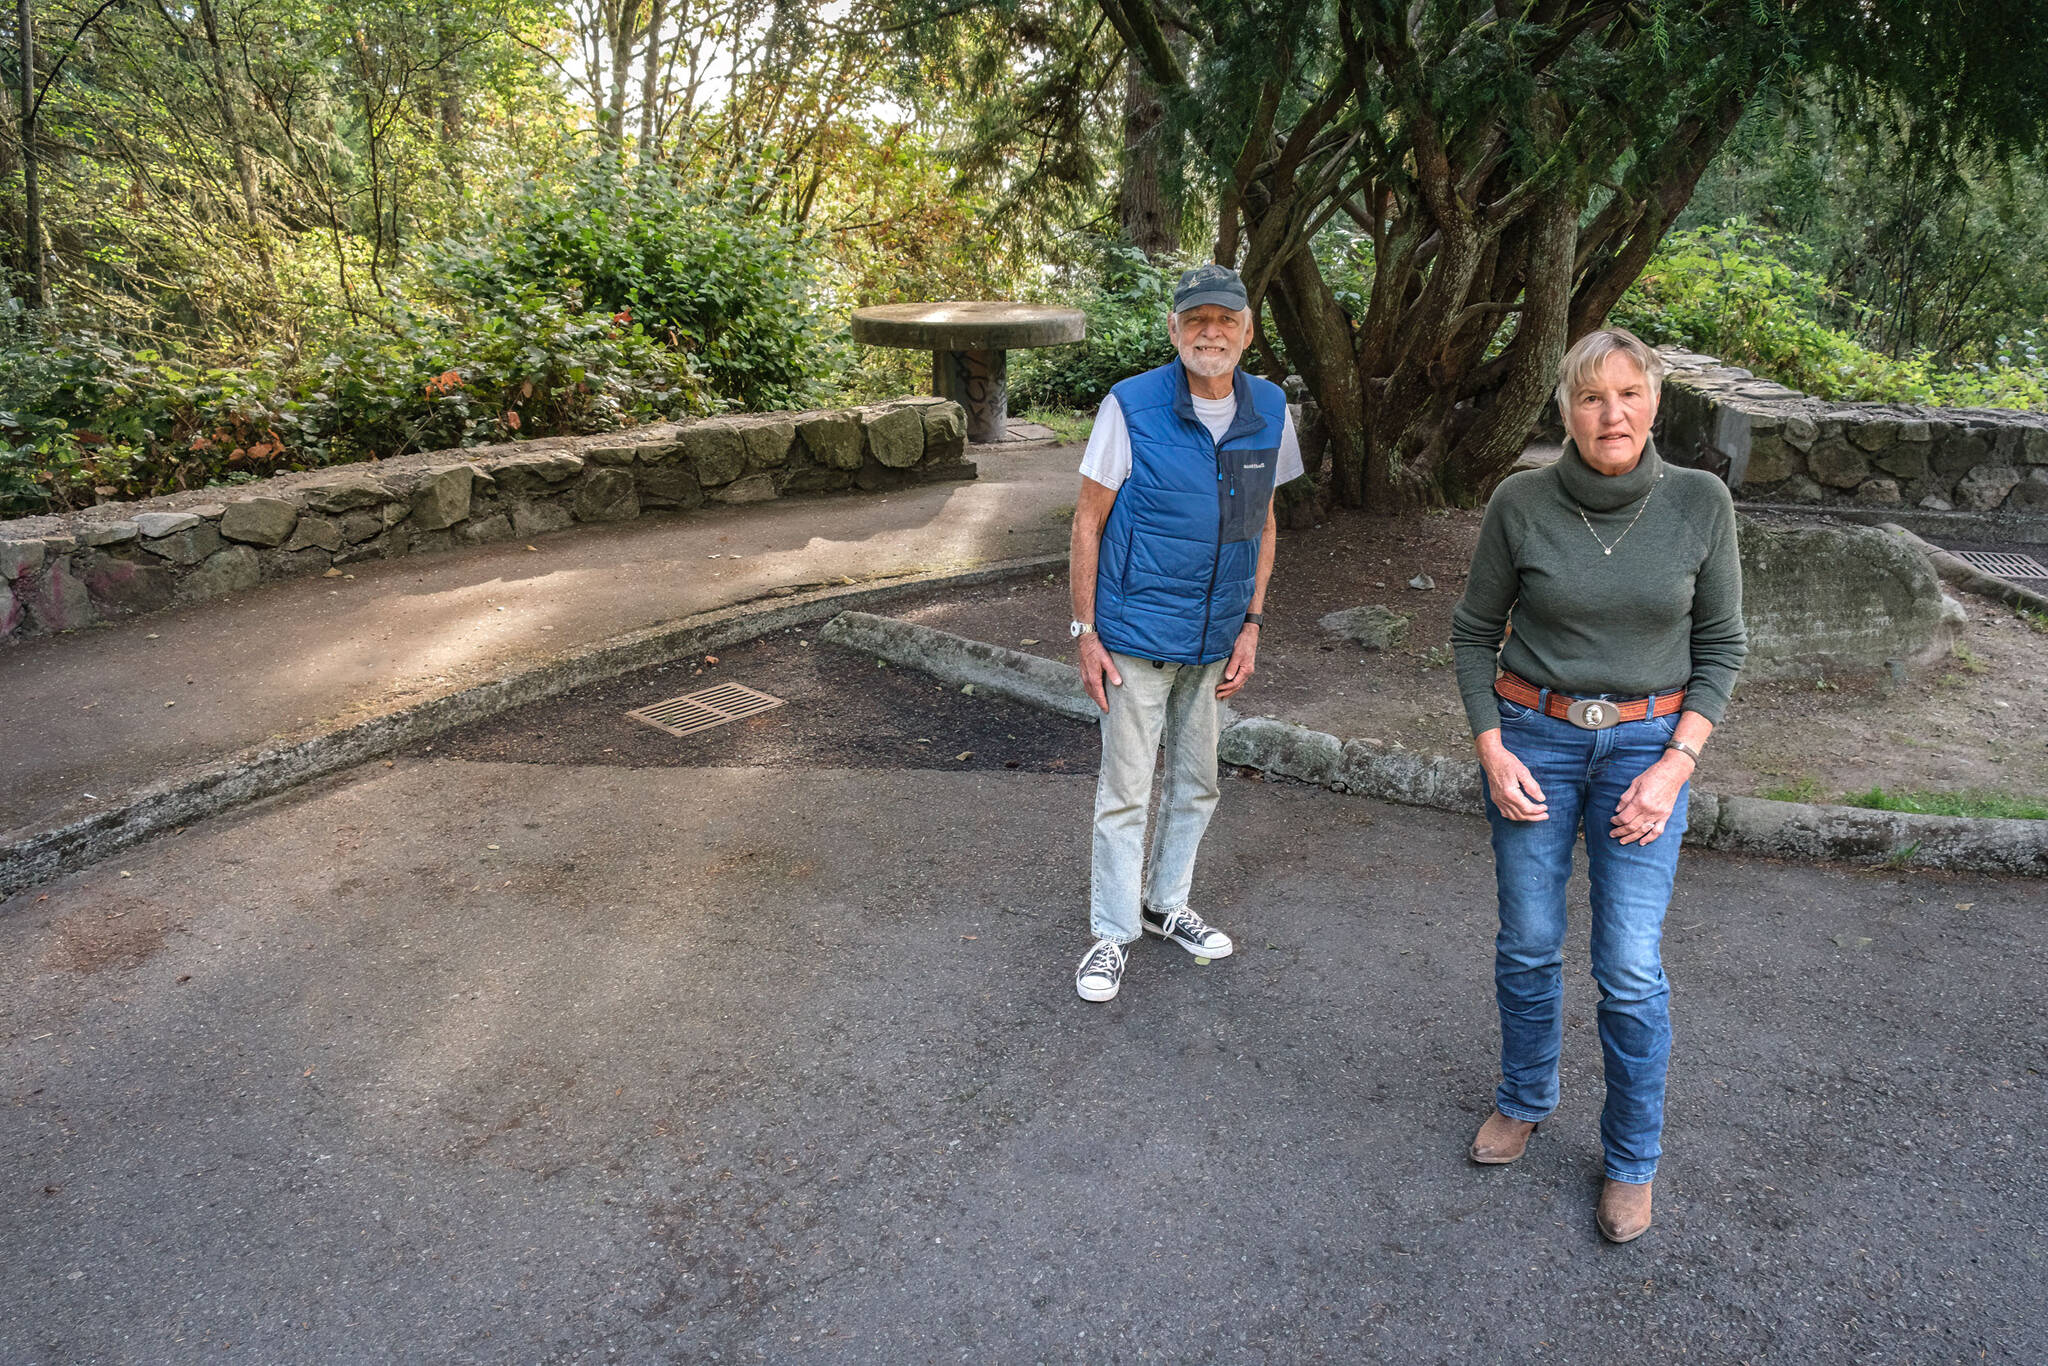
(1104, 960)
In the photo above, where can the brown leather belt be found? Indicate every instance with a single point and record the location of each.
(1587, 713)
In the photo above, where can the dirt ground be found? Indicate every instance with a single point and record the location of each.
(1973, 724)
(840, 711)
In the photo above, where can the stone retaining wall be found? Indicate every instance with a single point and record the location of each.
(118, 559)
(1773, 444)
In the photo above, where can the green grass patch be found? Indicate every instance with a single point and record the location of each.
(1068, 424)
(1966, 659)
(1991, 804)
(1804, 788)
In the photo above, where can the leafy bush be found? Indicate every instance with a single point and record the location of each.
(531, 365)
(1946, 253)
(707, 272)
(1728, 291)
(1126, 304)
(89, 420)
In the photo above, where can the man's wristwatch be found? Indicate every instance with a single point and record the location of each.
(1683, 748)
(1255, 618)
(1077, 629)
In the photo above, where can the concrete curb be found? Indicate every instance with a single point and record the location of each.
(1753, 825)
(1044, 683)
(1958, 571)
(40, 855)
(1032, 679)
(1366, 768)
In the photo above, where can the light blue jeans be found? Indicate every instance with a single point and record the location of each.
(1178, 702)
(1583, 774)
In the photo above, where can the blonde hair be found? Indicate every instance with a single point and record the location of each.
(1589, 355)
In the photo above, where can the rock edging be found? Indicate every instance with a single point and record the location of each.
(61, 572)
(1367, 768)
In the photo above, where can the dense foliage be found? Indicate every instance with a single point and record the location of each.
(1126, 298)
(91, 419)
(1507, 173)
(1945, 253)
(1729, 291)
(269, 234)
(696, 269)
(279, 236)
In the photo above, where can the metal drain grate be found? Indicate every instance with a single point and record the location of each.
(2003, 565)
(692, 712)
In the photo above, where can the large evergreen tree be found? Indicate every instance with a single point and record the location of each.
(1503, 171)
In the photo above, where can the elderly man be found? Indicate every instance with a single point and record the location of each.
(1173, 542)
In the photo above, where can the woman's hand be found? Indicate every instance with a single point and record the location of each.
(1646, 806)
(1509, 780)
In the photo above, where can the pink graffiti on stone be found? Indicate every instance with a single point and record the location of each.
(120, 587)
(55, 597)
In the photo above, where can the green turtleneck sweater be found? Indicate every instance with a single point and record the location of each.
(1662, 611)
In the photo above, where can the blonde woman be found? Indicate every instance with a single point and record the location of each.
(1598, 641)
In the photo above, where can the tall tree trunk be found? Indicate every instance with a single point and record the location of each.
(451, 136)
(1150, 216)
(447, 105)
(228, 100)
(624, 25)
(650, 71)
(36, 267)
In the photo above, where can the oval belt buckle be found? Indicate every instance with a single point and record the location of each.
(1592, 713)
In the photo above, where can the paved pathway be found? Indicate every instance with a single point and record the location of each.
(482, 1062)
(558, 1062)
(110, 710)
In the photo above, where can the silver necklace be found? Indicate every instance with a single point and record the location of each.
(1605, 548)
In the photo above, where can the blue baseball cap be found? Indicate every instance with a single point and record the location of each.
(1211, 284)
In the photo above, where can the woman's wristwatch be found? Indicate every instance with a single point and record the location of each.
(1683, 748)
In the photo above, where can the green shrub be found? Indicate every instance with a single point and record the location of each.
(1728, 291)
(529, 365)
(1127, 303)
(87, 420)
(708, 273)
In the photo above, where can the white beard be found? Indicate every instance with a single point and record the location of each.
(1208, 365)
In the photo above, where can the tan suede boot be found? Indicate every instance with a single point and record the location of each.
(1501, 1139)
(1624, 1211)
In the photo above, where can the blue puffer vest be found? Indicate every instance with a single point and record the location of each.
(1180, 552)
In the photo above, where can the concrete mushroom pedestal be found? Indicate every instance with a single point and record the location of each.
(970, 344)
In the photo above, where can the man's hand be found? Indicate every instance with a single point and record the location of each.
(1243, 660)
(1508, 780)
(1098, 670)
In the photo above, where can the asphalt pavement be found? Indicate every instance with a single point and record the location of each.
(453, 1060)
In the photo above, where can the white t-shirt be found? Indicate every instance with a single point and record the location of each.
(1108, 458)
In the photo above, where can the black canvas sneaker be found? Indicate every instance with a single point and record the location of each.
(1101, 972)
(1190, 931)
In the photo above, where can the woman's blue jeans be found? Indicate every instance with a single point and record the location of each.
(1583, 774)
